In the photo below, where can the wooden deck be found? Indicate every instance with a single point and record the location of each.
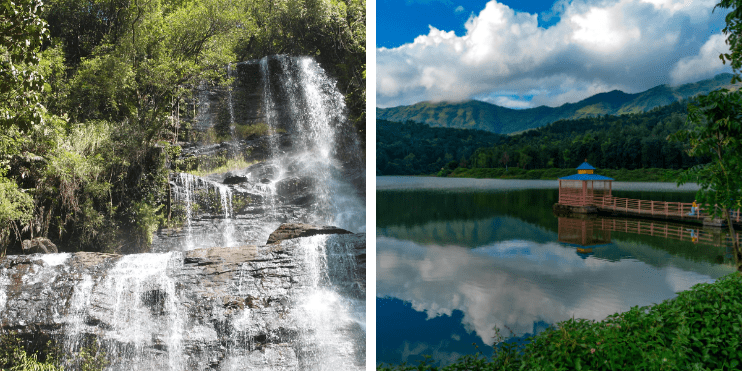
(681, 211)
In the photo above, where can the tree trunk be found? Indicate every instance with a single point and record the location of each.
(735, 242)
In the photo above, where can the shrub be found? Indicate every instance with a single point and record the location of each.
(247, 131)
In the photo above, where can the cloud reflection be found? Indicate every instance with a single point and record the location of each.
(517, 283)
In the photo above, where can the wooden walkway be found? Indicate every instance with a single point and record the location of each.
(647, 208)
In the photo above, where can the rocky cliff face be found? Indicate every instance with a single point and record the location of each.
(274, 307)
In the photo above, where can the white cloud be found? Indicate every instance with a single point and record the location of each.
(510, 102)
(703, 65)
(459, 9)
(596, 46)
(600, 29)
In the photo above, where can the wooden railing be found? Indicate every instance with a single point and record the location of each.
(676, 232)
(643, 207)
(651, 208)
(575, 200)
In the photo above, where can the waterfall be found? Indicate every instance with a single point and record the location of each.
(211, 294)
(271, 122)
(145, 312)
(326, 316)
(200, 193)
(231, 105)
(316, 111)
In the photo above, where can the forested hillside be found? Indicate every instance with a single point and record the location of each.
(485, 116)
(631, 141)
(413, 148)
(96, 96)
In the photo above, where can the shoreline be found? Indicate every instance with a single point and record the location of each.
(417, 182)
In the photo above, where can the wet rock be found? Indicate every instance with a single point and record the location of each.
(234, 179)
(262, 171)
(210, 308)
(39, 245)
(294, 186)
(295, 230)
(357, 178)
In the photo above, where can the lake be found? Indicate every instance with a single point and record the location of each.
(460, 259)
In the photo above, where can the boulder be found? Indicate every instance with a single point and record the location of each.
(39, 245)
(295, 230)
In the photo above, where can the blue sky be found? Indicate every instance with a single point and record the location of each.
(523, 54)
(399, 22)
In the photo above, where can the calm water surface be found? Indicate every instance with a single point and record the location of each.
(456, 263)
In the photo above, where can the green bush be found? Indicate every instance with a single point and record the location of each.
(247, 131)
(19, 355)
(15, 357)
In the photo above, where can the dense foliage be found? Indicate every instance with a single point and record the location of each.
(697, 330)
(633, 141)
(18, 354)
(95, 100)
(733, 30)
(412, 148)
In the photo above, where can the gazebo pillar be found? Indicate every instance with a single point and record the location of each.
(584, 193)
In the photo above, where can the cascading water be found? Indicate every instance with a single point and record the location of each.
(194, 192)
(327, 312)
(204, 299)
(317, 111)
(231, 105)
(271, 122)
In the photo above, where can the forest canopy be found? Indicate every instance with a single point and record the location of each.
(92, 92)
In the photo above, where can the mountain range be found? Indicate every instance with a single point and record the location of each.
(473, 114)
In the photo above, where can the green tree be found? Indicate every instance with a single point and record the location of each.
(505, 159)
(22, 32)
(733, 30)
(717, 132)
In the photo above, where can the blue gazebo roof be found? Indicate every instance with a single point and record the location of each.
(585, 166)
(585, 177)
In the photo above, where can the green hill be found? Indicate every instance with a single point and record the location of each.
(632, 141)
(474, 114)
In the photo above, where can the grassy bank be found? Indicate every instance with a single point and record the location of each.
(698, 330)
(622, 175)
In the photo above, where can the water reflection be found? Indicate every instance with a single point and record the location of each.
(583, 234)
(455, 277)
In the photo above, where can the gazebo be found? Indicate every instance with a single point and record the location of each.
(579, 191)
